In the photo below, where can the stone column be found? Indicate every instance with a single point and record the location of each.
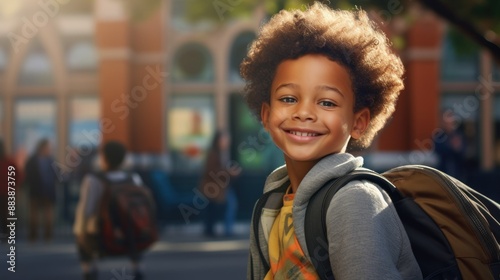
(113, 44)
(417, 113)
(147, 120)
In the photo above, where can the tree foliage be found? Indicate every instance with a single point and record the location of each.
(479, 20)
(141, 9)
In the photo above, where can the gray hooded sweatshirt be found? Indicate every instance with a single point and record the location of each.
(366, 239)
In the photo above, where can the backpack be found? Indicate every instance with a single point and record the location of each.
(454, 231)
(127, 222)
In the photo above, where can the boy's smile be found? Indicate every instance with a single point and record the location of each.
(311, 110)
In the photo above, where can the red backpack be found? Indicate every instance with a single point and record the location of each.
(127, 220)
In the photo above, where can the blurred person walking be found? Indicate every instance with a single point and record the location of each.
(87, 220)
(41, 183)
(216, 185)
(5, 172)
(451, 147)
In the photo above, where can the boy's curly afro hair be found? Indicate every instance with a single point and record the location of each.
(347, 37)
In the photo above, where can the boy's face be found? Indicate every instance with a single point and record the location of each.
(311, 114)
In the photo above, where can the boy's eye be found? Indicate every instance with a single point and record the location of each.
(287, 99)
(327, 103)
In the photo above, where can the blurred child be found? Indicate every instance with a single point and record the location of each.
(86, 224)
(223, 201)
(41, 182)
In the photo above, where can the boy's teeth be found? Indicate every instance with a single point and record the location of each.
(303, 134)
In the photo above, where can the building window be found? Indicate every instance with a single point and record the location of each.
(252, 146)
(465, 106)
(191, 123)
(238, 53)
(36, 70)
(456, 66)
(34, 119)
(193, 63)
(84, 122)
(82, 56)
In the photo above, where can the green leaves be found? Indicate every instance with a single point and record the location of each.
(142, 9)
(480, 16)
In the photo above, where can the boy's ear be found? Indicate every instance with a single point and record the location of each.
(361, 121)
(264, 114)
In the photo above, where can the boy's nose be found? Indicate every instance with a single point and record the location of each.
(304, 112)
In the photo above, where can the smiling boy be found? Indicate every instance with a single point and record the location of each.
(323, 81)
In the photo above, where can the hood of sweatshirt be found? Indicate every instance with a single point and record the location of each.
(332, 166)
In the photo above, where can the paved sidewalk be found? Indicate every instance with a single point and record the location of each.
(181, 253)
(173, 233)
(181, 238)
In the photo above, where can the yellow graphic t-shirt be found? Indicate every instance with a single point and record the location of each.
(285, 254)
